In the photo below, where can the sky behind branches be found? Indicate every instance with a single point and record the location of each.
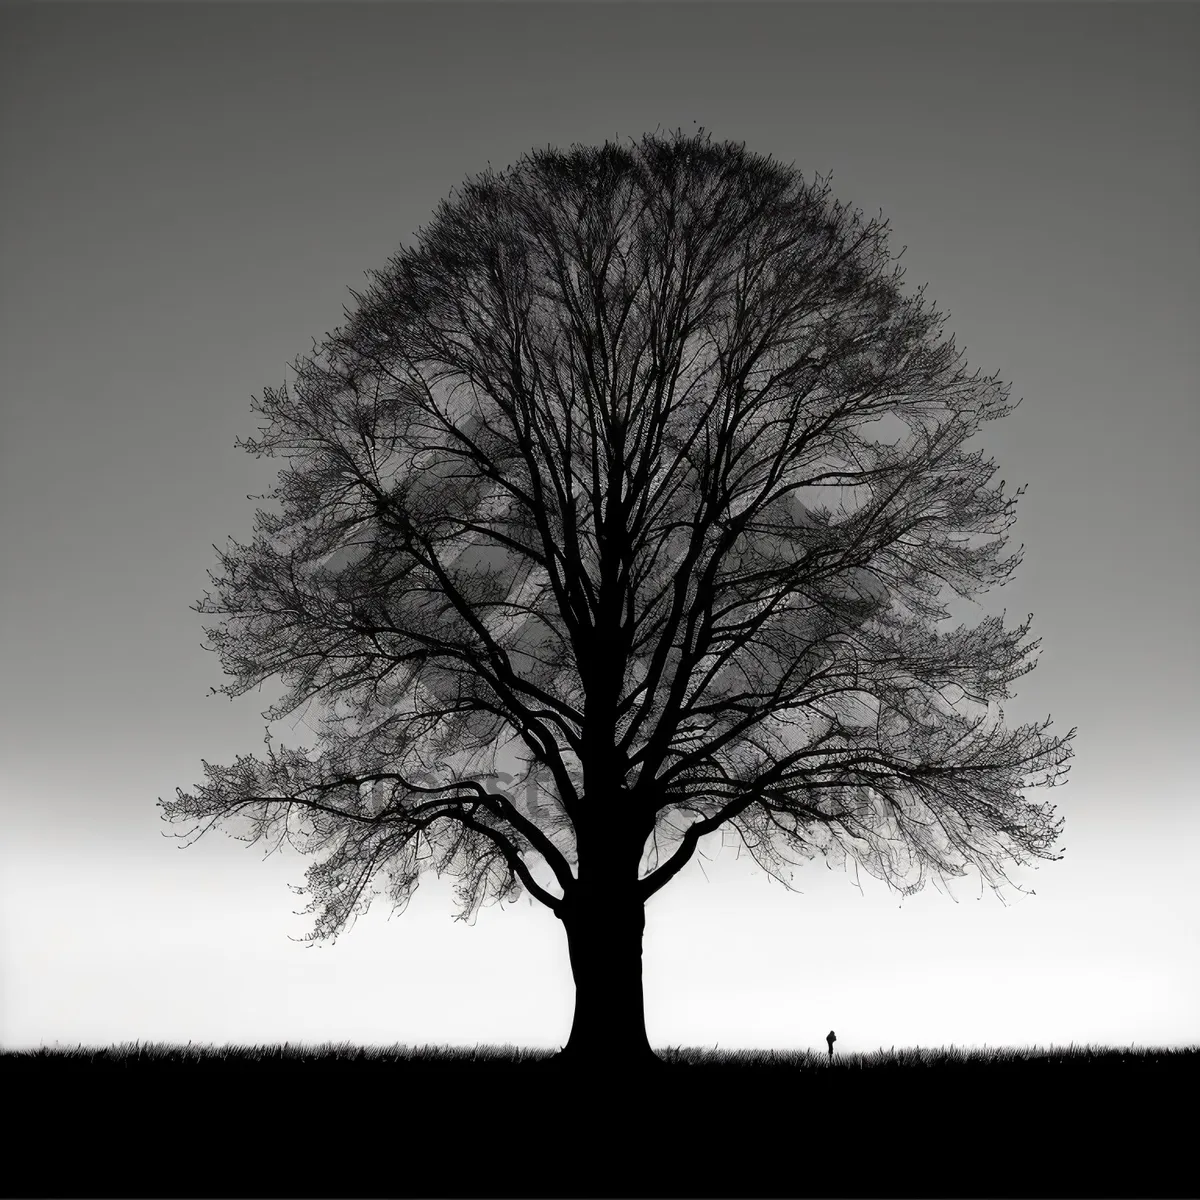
(187, 193)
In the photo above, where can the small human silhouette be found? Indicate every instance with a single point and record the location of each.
(830, 1039)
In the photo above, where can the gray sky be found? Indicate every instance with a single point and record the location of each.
(186, 193)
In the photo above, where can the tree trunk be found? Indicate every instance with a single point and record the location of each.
(604, 936)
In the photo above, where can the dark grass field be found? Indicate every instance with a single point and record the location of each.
(344, 1121)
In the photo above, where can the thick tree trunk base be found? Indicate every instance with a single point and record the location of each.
(608, 1033)
(608, 1060)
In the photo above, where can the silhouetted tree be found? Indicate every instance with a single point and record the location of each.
(640, 460)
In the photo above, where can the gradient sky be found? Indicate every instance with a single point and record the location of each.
(186, 193)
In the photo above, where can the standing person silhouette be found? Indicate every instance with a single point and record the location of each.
(830, 1040)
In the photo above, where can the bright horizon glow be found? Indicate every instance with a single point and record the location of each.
(190, 191)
